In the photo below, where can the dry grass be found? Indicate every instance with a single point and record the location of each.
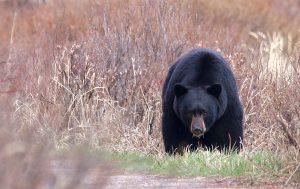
(91, 72)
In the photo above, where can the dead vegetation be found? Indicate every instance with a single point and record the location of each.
(91, 72)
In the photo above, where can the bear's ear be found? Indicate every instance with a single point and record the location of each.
(215, 90)
(179, 90)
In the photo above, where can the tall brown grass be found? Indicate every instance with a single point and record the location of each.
(91, 72)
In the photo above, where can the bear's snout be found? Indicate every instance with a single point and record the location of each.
(198, 126)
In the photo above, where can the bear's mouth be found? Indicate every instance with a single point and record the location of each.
(197, 135)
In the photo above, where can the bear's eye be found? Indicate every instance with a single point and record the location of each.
(203, 112)
(189, 114)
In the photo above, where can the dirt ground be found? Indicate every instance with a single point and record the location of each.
(106, 177)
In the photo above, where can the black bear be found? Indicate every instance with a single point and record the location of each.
(201, 106)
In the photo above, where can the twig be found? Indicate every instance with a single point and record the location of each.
(290, 177)
(12, 36)
(12, 88)
(285, 126)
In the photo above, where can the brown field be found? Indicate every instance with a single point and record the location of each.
(91, 72)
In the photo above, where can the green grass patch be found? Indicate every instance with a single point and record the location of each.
(203, 163)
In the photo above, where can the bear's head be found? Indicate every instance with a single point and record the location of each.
(197, 107)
